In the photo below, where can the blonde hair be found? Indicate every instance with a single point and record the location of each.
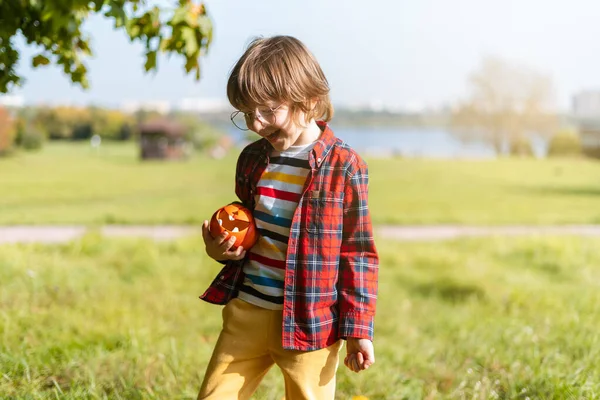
(280, 69)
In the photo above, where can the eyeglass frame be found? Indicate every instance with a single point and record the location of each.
(257, 115)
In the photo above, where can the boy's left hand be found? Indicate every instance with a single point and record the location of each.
(360, 354)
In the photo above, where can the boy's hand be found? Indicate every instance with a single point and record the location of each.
(359, 354)
(219, 248)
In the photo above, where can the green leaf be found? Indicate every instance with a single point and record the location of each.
(205, 25)
(63, 42)
(191, 19)
(191, 63)
(134, 31)
(98, 4)
(118, 14)
(179, 16)
(165, 43)
(40, 60)
(47, 14)
(150, 60)
(79, 75)
(83, 45)
(191, 43)
(206, 28)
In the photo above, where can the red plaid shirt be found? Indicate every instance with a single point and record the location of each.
(330, 287)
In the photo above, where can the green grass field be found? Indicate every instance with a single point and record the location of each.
(70, 184)
(467, 319)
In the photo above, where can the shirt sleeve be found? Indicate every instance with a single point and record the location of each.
(359, 262)
(240, 179)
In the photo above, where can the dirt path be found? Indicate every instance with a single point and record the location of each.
(61, 234)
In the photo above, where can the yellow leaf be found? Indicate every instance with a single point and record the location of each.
(360, 397)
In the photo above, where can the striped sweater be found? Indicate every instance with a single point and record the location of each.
(277, 196)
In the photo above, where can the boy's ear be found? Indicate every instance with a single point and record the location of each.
(312, 105)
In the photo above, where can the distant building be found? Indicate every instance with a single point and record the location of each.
(586, 112)
(162, 139)
(12, 101)
(586, 105)
(159, 106)
(589, 134)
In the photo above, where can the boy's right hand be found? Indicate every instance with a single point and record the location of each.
(219, 248)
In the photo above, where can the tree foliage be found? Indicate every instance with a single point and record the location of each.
(506, 105)
(7, 130)
(54, 27)
(74, 123)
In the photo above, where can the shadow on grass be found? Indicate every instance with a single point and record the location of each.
(545, 261)
(446, 290)
(560, 190)
(449, 291)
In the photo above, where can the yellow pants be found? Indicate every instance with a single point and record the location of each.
(249, 345)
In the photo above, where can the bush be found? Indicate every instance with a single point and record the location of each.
(203, 136)
(125, 132)
(564, 143)
(521, 146)
(82, 131)
(28, 136)
(111, 124)
(31, 139)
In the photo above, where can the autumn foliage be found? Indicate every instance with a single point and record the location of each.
(7, 131)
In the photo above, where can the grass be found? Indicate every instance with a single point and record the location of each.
(506, 318)
(70, 184)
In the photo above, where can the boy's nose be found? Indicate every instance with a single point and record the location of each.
(257, 125)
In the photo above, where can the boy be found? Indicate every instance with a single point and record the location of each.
(311, 278)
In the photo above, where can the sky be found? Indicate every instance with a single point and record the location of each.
(394, 53)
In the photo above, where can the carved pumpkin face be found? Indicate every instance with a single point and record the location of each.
(236, 220)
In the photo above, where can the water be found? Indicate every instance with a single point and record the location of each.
(406, 142)
(414, 142)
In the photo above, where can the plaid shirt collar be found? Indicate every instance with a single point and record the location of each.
(322, 147)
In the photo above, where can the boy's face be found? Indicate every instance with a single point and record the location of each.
(275, 123)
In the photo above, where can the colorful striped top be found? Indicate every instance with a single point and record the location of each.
(277, 196)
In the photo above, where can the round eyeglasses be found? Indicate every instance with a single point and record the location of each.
(266, 115)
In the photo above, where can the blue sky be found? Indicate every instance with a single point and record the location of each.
(402, 53)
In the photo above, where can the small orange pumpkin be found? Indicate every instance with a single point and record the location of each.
(236, 220)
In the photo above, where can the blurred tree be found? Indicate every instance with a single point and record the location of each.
(201, 134)
(110, 124)
(126, 131)
(506, 106)
(49, 121)
(62, 122)
(55, 27)
(82, 131)
(28, 137)
(565, 143)
(520, 146)
(7, 131)
(142, 115)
